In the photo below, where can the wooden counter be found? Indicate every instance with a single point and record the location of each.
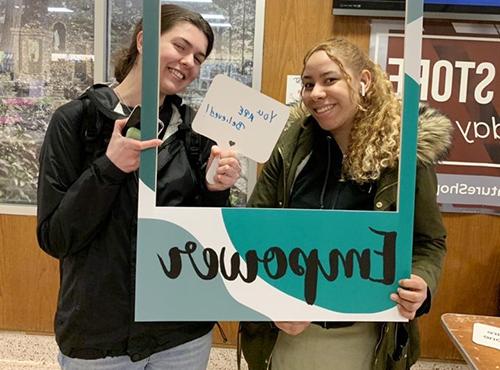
(459, 328)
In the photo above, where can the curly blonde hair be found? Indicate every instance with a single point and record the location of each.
(374, 141)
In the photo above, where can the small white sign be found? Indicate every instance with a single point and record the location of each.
(486, 335)
(235, 115)
(293, 87)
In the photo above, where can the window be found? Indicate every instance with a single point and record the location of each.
(46, 58)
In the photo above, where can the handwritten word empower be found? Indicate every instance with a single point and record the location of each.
(276, 264)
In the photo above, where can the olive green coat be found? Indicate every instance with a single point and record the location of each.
(398, 345)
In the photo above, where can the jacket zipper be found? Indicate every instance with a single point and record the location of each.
(383, 329)
(268, 362)
(328, 165)
(280, 151)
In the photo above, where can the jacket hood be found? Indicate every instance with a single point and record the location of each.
(434, 136)
(103, 97)
(105, 100)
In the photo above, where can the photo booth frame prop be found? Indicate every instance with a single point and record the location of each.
(214, 264)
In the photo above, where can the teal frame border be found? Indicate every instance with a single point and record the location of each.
(150, 90)
(400, 221)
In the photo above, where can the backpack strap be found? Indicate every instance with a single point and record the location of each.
(97, 121)
(197, 146)
(91, 128)
(192, 142)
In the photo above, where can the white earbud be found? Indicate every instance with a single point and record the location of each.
(363, 88)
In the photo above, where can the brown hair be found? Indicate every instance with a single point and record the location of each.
(171, 15)
(374, 143)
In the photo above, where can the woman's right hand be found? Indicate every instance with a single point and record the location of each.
(292, 327)
(124, 152)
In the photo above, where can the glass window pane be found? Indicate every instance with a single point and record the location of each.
(46, 58)
(233, 23)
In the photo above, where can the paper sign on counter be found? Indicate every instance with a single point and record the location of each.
(486, 335)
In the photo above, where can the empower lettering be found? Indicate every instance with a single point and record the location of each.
(276, 263)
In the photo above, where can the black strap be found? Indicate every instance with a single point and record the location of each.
(93, 125)
(238, 347)
(221, 332)
(96, 130)
(91, 128)
(193, 146)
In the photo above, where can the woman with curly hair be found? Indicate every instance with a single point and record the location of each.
(340, 150)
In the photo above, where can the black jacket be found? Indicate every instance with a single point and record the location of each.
(87, 218)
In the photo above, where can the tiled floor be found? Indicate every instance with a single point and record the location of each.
(20, 351)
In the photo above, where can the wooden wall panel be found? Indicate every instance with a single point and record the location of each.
(471, 279)
(291, 28)
(29, 278)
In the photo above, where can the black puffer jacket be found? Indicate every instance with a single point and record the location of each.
(87, 218)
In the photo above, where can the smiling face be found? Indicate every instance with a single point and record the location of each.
(327, 94)
(182, 51)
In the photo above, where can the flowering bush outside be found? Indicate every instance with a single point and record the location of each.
(23, 122)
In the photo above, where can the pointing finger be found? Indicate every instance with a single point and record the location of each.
(153, 143)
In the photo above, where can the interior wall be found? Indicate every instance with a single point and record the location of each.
(471, 276)
(29, 278)
(470, 281)
(291, 28)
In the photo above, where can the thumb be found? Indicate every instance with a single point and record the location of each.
(119, 125)
(215, 151)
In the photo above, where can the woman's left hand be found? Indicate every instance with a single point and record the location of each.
(411, 294)
(228, 170)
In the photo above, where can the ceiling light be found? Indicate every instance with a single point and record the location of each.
(222, 25)
(55, 9)
(187, 1)
(213, 16)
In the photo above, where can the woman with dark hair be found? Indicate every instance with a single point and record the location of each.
(87, 204)
(340, 150)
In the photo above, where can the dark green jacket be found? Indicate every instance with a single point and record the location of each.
(398, 346)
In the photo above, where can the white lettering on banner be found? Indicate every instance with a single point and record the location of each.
(465, 189)
(464, 78)
(490, 68)
(424, 80)
(444, 71)
(479, 130)
(398, 78)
